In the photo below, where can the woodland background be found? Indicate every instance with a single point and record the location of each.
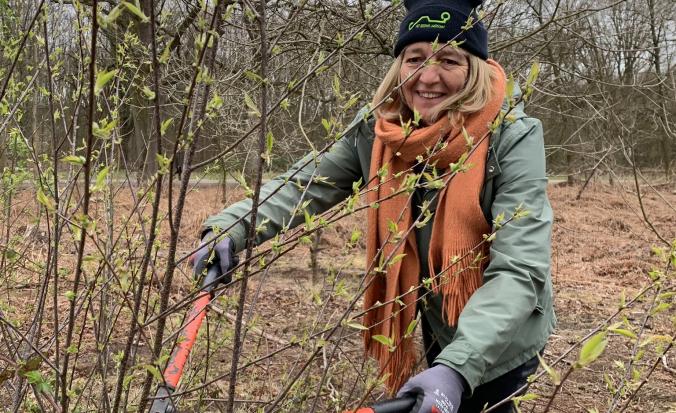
(119, 134)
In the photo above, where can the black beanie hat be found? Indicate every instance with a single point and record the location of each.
(428, 20)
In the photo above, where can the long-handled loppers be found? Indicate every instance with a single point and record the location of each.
(163, 403)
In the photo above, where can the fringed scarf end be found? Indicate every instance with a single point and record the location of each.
(463, 277)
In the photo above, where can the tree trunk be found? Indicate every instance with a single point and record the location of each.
(139, 146)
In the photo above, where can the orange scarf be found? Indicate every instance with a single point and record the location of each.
(459, 226)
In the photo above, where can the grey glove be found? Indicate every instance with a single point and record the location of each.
(437, 390)
(223, 256)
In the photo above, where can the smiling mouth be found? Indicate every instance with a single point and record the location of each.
(430, 95)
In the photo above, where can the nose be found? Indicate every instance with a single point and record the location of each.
(429, 74)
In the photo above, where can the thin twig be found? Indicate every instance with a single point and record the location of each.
(237, 347)
(85, 204)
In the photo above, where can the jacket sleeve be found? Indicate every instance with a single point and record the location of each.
(519, 257)
(328, 180)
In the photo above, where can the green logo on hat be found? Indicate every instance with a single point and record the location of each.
(426, 22)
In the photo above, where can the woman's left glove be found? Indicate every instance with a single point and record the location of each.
(438, 390)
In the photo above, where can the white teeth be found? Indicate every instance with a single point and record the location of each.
(430, 95)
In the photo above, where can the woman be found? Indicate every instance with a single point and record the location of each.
(486, 310)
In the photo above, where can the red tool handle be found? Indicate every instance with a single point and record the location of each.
(174, 370)
(399, 405)
(172, 373)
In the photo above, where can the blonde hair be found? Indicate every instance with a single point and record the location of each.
(472, 98)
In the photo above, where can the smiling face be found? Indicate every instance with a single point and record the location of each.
(443, 75)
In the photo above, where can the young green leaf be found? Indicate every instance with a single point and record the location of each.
(74, 160)
(489, 237)
(136, 10)
(166, 53)
(102, 79)
(356, 326)
(162, 163)
(659, 308)
(351, 101)
(253, 110)
(405, 127)
(469, 23)
(45, 201)
(263, 226)
(411, 327)
(100, 183)
(416, 118)
(215, 103)
(591, 350)
(435, 45)
(111, 17)
(396, 259)
(154, 371)
(35, 378)
(623, 299)
(269, 142)
(309, 220)
(469, 141)
(165, 125)
(533, 74)
(623, 332)
(98, 131)
(340, 39)
(499, 220)
(427, 216)
(104, 130)
(253, 76)
(528, 397)
(326, 125)
(336, 87)
(150, 95)
(383, 171)
(509, 92)
(355, 236)
(386, 341)
(553, 374)
(241, 180)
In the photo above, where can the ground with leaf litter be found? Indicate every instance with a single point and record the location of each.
(601, 255)
(601, 252)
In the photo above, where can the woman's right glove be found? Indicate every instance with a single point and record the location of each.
(223, 256)
(437, 390)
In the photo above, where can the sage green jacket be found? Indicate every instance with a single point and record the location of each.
(507, 320)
